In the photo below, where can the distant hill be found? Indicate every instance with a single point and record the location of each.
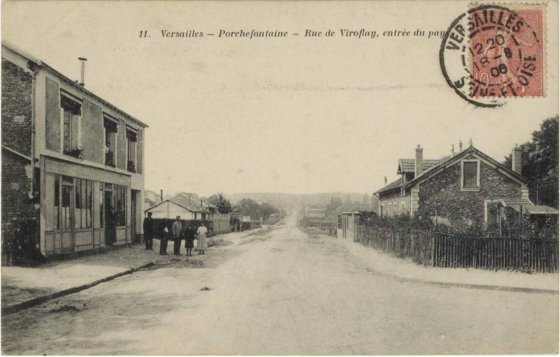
(287, 201)
(290, 201)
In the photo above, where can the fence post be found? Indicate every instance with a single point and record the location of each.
(433, 248)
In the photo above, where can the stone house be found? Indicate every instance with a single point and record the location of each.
(457, 189)
(72, 163)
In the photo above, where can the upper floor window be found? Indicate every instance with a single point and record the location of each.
(131, 141)
(111, 129)
(470, 174)
(71, 111)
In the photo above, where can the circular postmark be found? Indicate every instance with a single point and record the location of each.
(491, 53)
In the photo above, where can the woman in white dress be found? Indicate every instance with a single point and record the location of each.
(201, 244)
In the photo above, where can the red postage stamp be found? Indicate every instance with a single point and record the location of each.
(492, 53)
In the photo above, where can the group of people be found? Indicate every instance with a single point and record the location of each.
(178, 233)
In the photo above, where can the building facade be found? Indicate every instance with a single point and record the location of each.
(73, 164)
(459, 188)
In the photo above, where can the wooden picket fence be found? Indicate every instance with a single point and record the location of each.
(535, 255)
(402, 243)
(444, 250)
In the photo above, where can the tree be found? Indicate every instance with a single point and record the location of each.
(252, 208)
(540, 163)
(332, 207)
(222, 203)
(249, 207)
(267, 209)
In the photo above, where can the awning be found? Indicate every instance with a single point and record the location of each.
(528, 206)
(542, 210)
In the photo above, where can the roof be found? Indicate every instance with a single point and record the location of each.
(452, 160)
(66, 79)
(436, 166)
(190, 202)
(539, 209)
(409, 165)
(395, 184)
(528, 206)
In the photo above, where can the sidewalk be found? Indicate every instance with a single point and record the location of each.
(20, 285)
(384, 263)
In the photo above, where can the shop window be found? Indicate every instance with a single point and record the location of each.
(111, 130)
(83, 204)
(66, 204)
(119, 202)
(71, 120)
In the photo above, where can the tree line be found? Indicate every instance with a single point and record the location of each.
(246, 206)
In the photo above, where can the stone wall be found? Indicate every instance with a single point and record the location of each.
(442, 194)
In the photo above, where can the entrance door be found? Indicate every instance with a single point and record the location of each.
(67, 215)
(110, 224)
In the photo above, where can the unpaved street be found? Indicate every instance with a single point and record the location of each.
(282, 292)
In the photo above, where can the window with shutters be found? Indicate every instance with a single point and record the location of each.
(131, 142)
(111, 130)
(71, 111)
(470, 175)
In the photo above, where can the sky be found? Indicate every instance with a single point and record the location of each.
(295, 114)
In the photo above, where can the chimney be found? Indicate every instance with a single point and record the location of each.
(452, 149)
(385, 179)
(516, 159)
(418, 161)
(83, 70)
(460, 146)
(161, 195)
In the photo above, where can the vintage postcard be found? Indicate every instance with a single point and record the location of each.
(279, 177)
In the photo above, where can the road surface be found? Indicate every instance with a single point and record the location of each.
(282, 292)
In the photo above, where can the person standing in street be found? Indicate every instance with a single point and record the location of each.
(177, 230)
(201, 235)
(148, 228)
(189, 239)
(163, 240)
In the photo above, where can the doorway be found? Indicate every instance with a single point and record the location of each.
(110, 223)
(67, 214)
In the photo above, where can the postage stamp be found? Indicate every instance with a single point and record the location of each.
(492, 53)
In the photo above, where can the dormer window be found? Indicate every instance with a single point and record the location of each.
(470, 175)
(71, 111)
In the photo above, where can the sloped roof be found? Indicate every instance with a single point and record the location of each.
(409, 165)
(395, 184)
(451, 160)
(528, 206)
(516, 202)
(66, 79)
(189, 201)
(436, 166)
(539, 209)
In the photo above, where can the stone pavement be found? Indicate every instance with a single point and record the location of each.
(22, 286)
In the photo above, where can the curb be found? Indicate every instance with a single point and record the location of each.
(464, 285)
(41, 299)
(11, 309)
(461, 285)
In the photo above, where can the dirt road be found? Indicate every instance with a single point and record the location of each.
(282, 292)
